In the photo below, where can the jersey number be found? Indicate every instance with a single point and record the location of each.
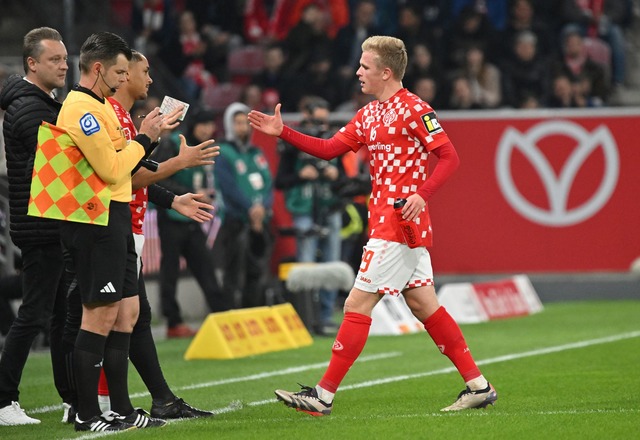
(367, 257)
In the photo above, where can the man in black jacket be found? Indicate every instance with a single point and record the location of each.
(28, 102)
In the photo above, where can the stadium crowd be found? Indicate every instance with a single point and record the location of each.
(465, 54)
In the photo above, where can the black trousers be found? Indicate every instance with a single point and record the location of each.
(43, 306)
(10, 289)
(244, 257)
(186, 239)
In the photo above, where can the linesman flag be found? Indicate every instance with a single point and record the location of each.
(64, 186)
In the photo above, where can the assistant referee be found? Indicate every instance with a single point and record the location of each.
(104, 257)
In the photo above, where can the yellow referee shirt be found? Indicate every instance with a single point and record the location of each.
(94, 127)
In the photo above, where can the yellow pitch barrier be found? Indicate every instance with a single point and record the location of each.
(246, 332)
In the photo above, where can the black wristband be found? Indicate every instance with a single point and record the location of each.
(145, 141)
(161, 196)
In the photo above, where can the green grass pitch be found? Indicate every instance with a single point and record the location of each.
(570, 372)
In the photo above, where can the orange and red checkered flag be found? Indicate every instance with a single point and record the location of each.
(64, 186)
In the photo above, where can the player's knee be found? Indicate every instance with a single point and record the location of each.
(126, 319)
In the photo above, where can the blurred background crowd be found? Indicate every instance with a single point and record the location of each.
(464, 54)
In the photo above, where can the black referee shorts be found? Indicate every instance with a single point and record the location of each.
(103, 257)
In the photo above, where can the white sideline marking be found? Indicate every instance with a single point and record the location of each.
(299, 369)
(507, 357)
(373, 357)
(237, 405)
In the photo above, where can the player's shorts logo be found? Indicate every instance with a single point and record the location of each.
(431, 122)
(89, 124)
(558, 184)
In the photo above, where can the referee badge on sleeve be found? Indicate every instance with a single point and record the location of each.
(89, 124)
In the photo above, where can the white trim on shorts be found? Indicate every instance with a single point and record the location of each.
(392, 267)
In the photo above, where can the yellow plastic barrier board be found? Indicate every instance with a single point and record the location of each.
(246, 332)
(293, 323)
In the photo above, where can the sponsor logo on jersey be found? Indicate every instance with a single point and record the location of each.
(431, 122)
(379, 146)
(89, 124)
(368, 121)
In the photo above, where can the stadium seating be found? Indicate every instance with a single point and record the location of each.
(245, 62)
(221, 95)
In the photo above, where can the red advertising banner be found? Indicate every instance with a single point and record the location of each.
(548, 191)
(536, 191)
(501, 299)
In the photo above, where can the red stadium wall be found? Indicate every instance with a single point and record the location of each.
(549, 191)
(543, 191)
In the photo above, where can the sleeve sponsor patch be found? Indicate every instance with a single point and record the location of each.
(431, 122)
(89, 124)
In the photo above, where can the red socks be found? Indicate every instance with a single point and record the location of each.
(354, 332)
(348, 345)
(103, 388)
(448, 337)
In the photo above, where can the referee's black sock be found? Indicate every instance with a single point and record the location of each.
(144, 357)
(116, 367)
(87, 360)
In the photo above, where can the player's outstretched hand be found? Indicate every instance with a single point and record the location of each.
(198, 155)
(265, 123)
(190, 206)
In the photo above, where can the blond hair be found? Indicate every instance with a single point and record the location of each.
(391, 52)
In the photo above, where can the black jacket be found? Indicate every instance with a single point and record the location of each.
(26, 106)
